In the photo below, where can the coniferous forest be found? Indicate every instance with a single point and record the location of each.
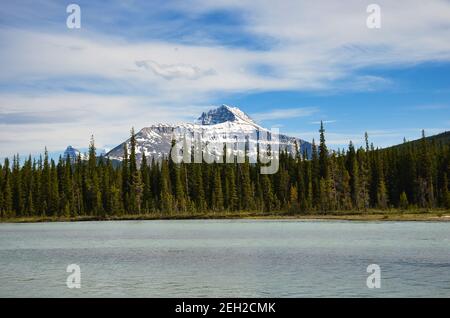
(413, 175)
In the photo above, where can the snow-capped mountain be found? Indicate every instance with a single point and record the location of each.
(229, 123)
(224, 114)
(73, 154)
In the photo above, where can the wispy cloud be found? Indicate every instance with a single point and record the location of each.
(285, 113)
(172, 71)
(42, 117)
(70, 118)
(156, 68)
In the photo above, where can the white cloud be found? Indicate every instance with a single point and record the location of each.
(72, 118)
(313, 45)
(172, 71)
(285, 113)
(110, 58)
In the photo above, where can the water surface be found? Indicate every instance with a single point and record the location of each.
(225, 258)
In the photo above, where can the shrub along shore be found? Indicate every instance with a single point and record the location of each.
(371, 215)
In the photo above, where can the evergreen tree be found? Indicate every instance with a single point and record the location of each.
(7, 191)
(166, 195)
(382, 198)
(178, 187)
(232, 195)
(136, 193)
(27, 176)
(363, 178)
(323, 154)
(309, 202)
(246, 198)
(1, 193)
(78, 186)
(125, 179)
(16, 184)
(67, 194)
(293, 200)
(352, 168)
(45, 186)
(7, 199)
(315, 176)
(324, 195)
(94, 200)
(412, 174)
(135, 184)
(425, 179)
(133, 164)
(403, 202)
(53, 203)
(269, 198)
(197, 189)
(345, 201)
(147, 190)
(216, 192)
(445, 192)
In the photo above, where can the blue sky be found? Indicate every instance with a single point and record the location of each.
(288, 64)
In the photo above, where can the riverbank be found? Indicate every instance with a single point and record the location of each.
(372, 215)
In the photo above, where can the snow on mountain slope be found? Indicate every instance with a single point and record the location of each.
(73, 154)
(229, 123)
(224, 114)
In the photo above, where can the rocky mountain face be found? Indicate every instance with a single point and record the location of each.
(73, 154)
(226, 123)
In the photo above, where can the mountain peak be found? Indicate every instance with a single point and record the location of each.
(231, 122)
(73, 153)
(223, 114)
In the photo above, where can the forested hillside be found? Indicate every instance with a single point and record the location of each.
(413, 175)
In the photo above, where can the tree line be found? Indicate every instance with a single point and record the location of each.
(412, 175)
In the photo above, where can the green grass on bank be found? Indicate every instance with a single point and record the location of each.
(370, 215)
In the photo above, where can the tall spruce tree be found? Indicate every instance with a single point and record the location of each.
(216, 191)
(125, 179)
(7, 191)
(246, 198)
(166, 198)
(323, 154)
(94, 199)
(315, 176)
(147, 190)
(425, 179)
(16, 184)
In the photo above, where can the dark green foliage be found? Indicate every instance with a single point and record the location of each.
(323, 154)
(403, 202)
(216, 191)
(414, 174)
